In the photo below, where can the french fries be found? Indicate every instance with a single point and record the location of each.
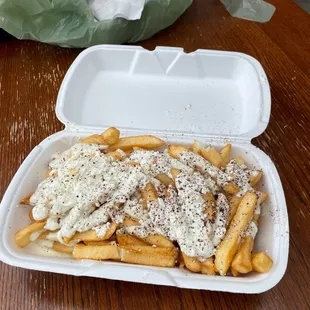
(159, 241)
(111, 135)
(129, 240)
(62, 248)
(261, 262)
(22, 237)
(191, 263)
(229, 246)
(164, 179)
(91, 235)
(225, 154)
(212, 156)
(26, 200)
(147, 255)
(242, 260)
(97, 252)
(126, 241)
(94, 139)
(207, 267)
(146, 142)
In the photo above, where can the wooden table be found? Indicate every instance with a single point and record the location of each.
(30, 77)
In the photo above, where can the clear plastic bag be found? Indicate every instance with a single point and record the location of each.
(71, 23)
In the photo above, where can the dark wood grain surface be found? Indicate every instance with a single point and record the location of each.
(30, 76)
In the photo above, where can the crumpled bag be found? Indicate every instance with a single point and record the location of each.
(254, 10)
(71, 22)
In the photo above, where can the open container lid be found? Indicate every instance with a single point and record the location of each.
(206, 93)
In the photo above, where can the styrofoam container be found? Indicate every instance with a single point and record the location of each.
(213, 96)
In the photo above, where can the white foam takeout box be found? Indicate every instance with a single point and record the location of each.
(213, 96)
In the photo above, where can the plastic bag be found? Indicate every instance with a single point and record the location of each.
(71, 23)
(255, 10)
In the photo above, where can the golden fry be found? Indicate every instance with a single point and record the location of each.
(146, 142)
(254, 179)
(26, 200)
(111, 135)
(164, 179)
(91, 235)
(159, 241)
(62, 248)
(196, 147)
(148, 255)
(96, 252)
(207, 267)
(102, 242)
(229, 245)
(176, 150)
(225, 154)
(234, 272)
(231, 188)
(129, 222)
(261, 262)
(212, 155)
(242, 260)
(129, 240)
(234, 203)
(149, 193)
(22, 237)
(175, 172)
(191, 263)
(94, 139)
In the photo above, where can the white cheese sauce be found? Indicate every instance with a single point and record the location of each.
(88, 190)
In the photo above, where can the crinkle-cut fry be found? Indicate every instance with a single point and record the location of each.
(129, 222)
(91, 235)
(196, 148)
(229, 245)
(164, 179)
(148, 255)
(146, 142)
(22, 237)
(212, 156)
(207, 267)
(123, 239)
(96, 252)
(225, 154)
(149, 193)
(94, 139)
(111, 135)
(26, 200)
(254, 179)
(261, 262)
(176, 150)
(210, 206)
(191, 263)
(231, 188)
(242, 260)
(234, 272)
(102, 242)
(62, 248)
(116, 155)
(159, 241)
(234, 202)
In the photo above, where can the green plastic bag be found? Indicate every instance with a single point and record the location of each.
(71, 23)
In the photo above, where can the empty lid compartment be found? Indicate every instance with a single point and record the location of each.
(204, 92)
